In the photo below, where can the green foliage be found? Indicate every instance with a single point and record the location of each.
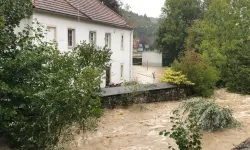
(113, 5)
(132, 97)
(186, 133)
(132, 83)
(42, 92)
(177, 17)
(221, 37)
(199, 71)
(210, 116)
(88, 55)
(146, 27)
(175, 77)
(237, 70)
(11, 12)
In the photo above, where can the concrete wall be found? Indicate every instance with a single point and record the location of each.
(82, 29)
(153, 59)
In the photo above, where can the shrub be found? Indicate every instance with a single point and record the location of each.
(186, 133)
(133, 96)
(175, 77)
(210, 116)
(131, 83)
(198, 71)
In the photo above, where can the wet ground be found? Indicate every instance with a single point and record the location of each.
(144, 74)
(138, 127)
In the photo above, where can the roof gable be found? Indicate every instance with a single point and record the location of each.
(92, 10)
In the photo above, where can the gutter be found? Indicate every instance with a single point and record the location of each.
(130, 56)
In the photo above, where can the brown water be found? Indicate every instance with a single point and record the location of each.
(137, 128)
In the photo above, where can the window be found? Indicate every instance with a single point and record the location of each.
(122, 70)
(71, 37)
(92, 37)
(108, 40)
(51, 34)
(122, 42)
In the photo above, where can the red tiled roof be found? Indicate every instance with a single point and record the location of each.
(92, 10)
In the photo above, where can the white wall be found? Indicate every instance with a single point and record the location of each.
(82, 29)
(153, 59)
(23, 24)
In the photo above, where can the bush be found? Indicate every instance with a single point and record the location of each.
(175, 77)
(186, 133)
(131, 83)
(133, 97)
(198, 71)
(210, 116)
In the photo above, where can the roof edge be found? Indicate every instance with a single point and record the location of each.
(85, 19)
(117, 14)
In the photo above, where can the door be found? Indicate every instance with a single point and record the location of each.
(108, 76)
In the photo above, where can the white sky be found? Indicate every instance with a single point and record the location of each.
(150, 7)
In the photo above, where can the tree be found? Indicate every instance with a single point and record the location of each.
(43, 92)
(237, 69)
(11, 13)
(112, 4)
(177, 17)
(187, 133)
(199, 71)
(222, 37)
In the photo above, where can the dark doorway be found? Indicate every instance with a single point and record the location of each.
(108, 76)
(137, 61)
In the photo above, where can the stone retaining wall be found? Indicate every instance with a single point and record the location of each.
(144, 96)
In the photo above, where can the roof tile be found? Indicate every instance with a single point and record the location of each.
(87, 9)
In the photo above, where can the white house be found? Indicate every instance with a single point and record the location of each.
(72, 21)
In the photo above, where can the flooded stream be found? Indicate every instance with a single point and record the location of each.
(137, 128)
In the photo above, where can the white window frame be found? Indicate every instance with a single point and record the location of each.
(122, 42)
(122, 71)
(55, 34)
(108, 40)
(92, 41)
(72, 36)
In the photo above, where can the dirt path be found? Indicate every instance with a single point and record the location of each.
(137, 128)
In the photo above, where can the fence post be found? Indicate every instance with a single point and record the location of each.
(147, 65)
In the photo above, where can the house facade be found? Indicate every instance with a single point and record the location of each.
(70, 22)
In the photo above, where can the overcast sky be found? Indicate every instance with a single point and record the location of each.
(150, 7)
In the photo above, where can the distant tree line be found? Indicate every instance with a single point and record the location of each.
(112, 4)
(145, 28)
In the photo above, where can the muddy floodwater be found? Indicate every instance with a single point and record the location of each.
(138, 127)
